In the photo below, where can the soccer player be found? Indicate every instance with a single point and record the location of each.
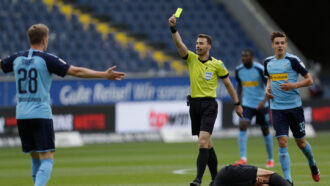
(248, 175)
(33, 73)
(282, 88)
(251, 90)
(204, 73)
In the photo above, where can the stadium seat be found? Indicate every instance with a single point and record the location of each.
(68, 39)
(72, 42)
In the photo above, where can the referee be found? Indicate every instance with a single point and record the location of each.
(204, 73)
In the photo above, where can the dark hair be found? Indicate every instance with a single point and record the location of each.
(277, 34)
(36, 33)
(248, 51)
(207, 37)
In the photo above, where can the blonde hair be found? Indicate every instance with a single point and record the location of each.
(36, 33)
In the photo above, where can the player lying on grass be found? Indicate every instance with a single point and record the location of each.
(33, 73)
(248, 175)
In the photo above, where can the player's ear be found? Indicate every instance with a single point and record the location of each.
(45, 42)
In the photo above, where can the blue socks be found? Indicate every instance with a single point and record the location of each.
(285, 159)
(285, 162)
(44, 171)
(269, 145)
(242, 141)
(309, 154)
(35, 168)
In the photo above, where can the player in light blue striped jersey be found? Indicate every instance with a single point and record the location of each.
(283, 70)
(33, 71)
(251, 89)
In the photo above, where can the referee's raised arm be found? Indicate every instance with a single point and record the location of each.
(182, 49)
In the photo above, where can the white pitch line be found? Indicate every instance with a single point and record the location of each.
(184, 171)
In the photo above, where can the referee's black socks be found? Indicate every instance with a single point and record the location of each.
(213, 163)
(202, 161)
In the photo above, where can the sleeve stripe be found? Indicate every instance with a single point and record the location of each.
(222, 77)
(296, 66)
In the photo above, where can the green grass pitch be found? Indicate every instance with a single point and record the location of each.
(153, 164)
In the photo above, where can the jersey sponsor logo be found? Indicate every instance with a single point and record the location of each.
(279, 77)
(250, 83)
(208, 75)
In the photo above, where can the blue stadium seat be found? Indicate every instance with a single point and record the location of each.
(69, 40)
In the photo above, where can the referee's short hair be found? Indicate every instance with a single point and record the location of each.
(277, 34)
(207, 37)
(36, 33)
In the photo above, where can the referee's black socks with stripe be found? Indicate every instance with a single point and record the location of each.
(202, 161)
(213, 163)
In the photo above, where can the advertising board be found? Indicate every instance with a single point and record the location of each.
(155, 116)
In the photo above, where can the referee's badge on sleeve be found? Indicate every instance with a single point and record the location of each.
(208, 75)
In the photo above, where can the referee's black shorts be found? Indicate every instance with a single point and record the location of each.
(37, 135)
(203, 113)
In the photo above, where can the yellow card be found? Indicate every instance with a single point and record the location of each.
(178, 12)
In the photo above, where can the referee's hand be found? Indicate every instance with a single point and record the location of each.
(172, 21)
(239, 111)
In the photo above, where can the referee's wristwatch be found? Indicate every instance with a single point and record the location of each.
(237, 103)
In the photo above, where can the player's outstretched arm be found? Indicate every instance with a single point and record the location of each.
(231, 91)
(182, 49)
(88, 73)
